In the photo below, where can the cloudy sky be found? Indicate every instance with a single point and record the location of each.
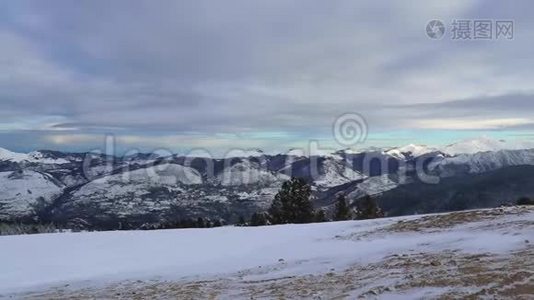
(257, 74)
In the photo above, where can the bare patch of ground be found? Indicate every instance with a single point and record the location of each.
(444, 221)
(440, 222)
(453, 274)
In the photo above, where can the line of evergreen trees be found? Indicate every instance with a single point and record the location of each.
(292, 204)
(185, 223)
(525, 201)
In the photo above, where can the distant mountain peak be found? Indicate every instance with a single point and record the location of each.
(483, 144)
(411, 150)
(12, 156)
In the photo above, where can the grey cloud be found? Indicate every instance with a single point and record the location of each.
(240, 66)
(504, 105)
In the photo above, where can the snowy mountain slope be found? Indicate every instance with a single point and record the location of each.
(167, 174)
(156, 185)
(245, 153)
(246, 172)
(482, 162)
(38, 156)
(323, 172)
(35, 157)
(335, 172)
(12, 156)
(373, 186)
(169, 191)
(484, 144)
(296, 152)
(144, 190)
(419, 257)
(410, 151)
(21, 190)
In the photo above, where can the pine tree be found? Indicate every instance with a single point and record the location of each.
(368, 209)
(258, 219)
(200, 223)
(41, 210)
(276, 211)
(241, 221)
(320, 216)
(292, 203)
(208, 223)
(189, 223)
(525, 201)
(342, 211)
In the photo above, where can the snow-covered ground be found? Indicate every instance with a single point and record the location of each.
(407, 257)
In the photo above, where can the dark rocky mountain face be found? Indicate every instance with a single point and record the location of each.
(374, 163)
(102, 191)
(490, 189)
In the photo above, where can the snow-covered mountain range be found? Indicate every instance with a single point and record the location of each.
(100, 189)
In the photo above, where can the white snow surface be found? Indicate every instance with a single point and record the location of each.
(30, 262)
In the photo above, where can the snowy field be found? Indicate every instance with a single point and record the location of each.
(487, 253)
